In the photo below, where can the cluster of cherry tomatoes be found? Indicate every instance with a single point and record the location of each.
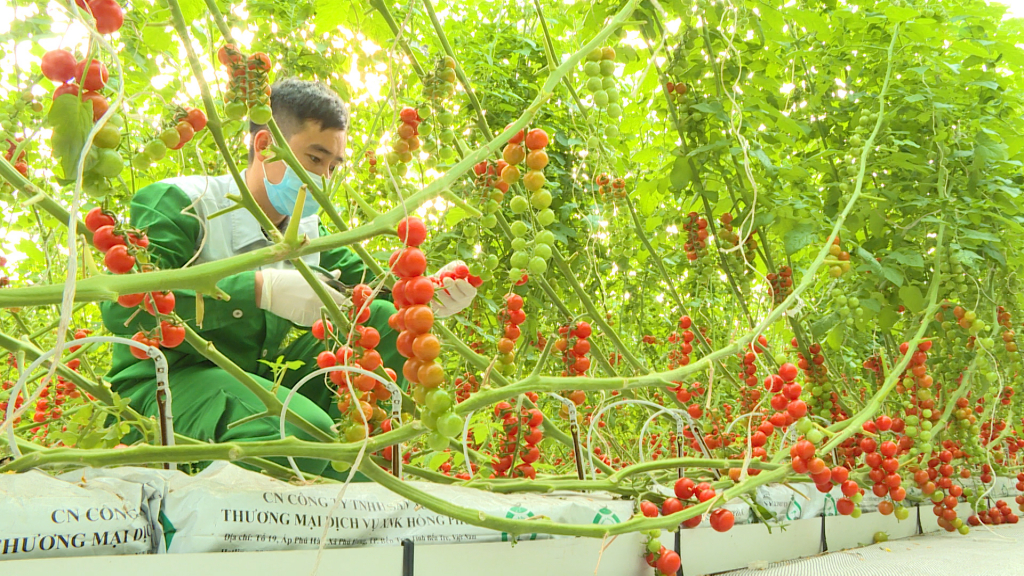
(407, 139)
(183, 126)
(249, 88)
(120, 245)
(696, 228)
(574, 346)
(12, 148)
(511, 316)
(365, 413)
(517, 446)
(839, 263)
(610, 188)
(599, 67)
(780, 284)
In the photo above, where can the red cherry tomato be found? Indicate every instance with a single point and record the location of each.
(118, 260)
(104, 238)
(58, 65)
(164, 302)
(196, 118)
(109, 15)
(171, 335)
(97, 218)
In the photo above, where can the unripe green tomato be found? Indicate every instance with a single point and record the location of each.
(340, 466)
(540, 199)
(109, 164)
(613, 93)
(608, 83)
(519, 243)
(653, 545)
(429, 419)
(141, 161)
(607, 67)
(107, 137)
(447, 152)
(592, 69)
(611, 131)
(542, 250)
(594, 84)
(519, 205)
(814, 436)
(593, 143)
(447, 136)
(234, 111)
(449, 425)
(856, 513)
(491, 207)
(594, 55)
(902, 513)
(515, 274)
(538, 265)
(857, 497)
(804, 425)
(261, 114)
(519, 259)
(925, 436)
(155, 149)
(437, 441)
(489, 221)
(424, 112)
(425, 129)
(445, 118)
(170, 137)
(492, 262)
(614, 110)
(546, 217)
(519, 228)
(600, 98)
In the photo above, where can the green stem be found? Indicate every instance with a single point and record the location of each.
(41, 199)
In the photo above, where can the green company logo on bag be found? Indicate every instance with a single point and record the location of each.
(794, 510)
(606, 516)
(517, 513)
(830, 506)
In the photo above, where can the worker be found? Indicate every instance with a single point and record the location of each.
(251, 327)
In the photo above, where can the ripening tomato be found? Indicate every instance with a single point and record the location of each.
(93, 78)
(228, 55)
(536, 139)
(99, 104)
(58, 65)
(196, 118)
(65, 89)
(259, 61)
(185, 134)
(130, 300)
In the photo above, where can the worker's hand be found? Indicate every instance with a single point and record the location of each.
(453, 294)
(287, 294)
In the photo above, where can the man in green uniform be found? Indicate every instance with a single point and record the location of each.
(264, 304)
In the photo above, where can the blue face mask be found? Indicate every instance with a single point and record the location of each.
(283, 195)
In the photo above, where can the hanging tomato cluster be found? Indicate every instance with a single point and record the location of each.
(120, 245)
(511, 316)
(407, 140)
(677, 91)
(730, 239)
(466, 385)
(839, 263)
(249, 88)
(371, 163)
(696, 228)
(178, 131)
(517, 444)
(574, 346)
(681, 356)
(824, 402)
(108, 14)
(438, 85)
(362, 353)
(781, 284)
(599, 67)
(414, 319)
(609, 188)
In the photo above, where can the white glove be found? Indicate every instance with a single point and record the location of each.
(454, 294)
(287, 294)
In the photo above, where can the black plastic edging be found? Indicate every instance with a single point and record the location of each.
(408, 559)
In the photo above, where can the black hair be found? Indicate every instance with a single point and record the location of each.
(295, 101)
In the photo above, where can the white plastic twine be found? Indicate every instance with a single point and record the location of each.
(396, 400)
(162, 388)
(676, 414)
(643, 430)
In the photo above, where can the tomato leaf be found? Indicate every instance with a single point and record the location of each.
(71, 120)
(681, 174)
(912, 298)
(800, 236)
